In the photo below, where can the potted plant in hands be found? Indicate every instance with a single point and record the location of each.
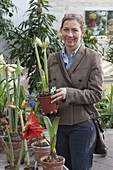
(52, 161)
(43, 87)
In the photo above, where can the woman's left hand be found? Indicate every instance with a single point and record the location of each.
(60, 94)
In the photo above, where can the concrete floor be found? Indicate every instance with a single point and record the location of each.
(105, 163)
(99, 163)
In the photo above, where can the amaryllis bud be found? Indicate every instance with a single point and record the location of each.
(24, 103)
(11, 69)
(45, 44)
(11, 106)
(46, 41)
(4, 121)
(38, 41)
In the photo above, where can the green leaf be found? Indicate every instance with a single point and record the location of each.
(52, 130)
(48, 125)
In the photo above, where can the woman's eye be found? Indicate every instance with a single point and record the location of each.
(65, 29)
(74, 30)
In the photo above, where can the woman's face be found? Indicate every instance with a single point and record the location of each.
(71, 34)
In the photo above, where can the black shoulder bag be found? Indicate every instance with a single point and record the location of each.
(100, 148)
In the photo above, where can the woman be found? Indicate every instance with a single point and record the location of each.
(76, 138)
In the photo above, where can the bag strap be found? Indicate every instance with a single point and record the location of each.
(62, 70)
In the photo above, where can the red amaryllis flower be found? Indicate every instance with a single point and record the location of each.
(32, 119)
(33, 129)
(32, 132)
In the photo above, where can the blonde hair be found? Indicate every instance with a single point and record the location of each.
(71, 16)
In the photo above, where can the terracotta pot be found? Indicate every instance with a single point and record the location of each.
(1, 144)
(53, 165)
(29, 168)
(39, 152)
(2, 130)
(46, 105)
(9, 167)
(16, 147)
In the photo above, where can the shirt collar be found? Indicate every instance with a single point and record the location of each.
(73, 53)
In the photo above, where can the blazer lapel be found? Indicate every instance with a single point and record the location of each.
(67, 77)
(77, 59)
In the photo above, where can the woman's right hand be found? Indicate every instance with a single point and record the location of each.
(60, 95)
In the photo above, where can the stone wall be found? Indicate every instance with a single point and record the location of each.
(59, 8)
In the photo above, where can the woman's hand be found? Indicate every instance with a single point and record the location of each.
(60, 94)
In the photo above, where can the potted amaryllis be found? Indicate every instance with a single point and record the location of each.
(3, 99)
(52, 161)
(30, 130)
(14, 95)
(33, 130)
(13, 90)
(10, 151)
(45, 90)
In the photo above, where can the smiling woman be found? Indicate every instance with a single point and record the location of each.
(72, 31)
(79, 78)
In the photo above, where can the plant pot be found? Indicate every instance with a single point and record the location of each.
(39, 152)
(29, 168)
(53, 165)
(1, 144)
(16, 148)
(2, 130)
(46, 105)
(9, 167)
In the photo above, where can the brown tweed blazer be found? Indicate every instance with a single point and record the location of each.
(86, 76)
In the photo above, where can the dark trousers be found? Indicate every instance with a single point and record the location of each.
(77, 143)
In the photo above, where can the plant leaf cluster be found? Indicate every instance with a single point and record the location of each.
(90, 41)
(105, 108)
(20, 41)
(109, 53)
(52, 128)
(7, 9)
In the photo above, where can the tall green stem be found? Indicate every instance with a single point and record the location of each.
(42, 73)
(25, 141)
(17, 94)
(11, 151)
(8, 99)
(45, 65)
(38, 58)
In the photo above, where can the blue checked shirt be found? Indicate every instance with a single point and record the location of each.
(67, 61)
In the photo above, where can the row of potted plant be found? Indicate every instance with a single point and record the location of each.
(23, 127)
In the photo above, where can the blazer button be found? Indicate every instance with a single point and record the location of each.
(80, 80)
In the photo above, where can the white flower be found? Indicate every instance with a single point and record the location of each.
(38, 41)
(53, 90)
(2, 59)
